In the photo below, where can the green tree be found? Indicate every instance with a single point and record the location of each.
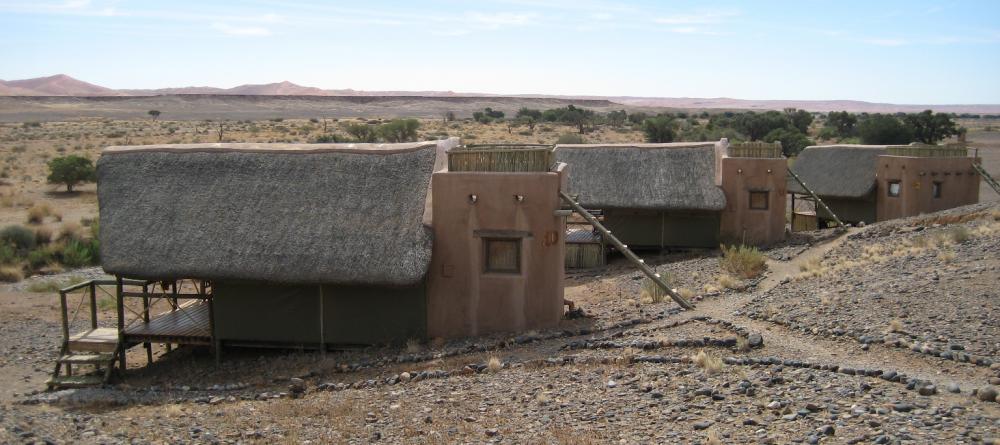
(929, 127)
(884, 129)
(842, 122)
(399, 130)
(154, 114)
(800, 119)
(71, 170)
(529, 112)
(361, 132)
(637, 118)
(659, 129)
(758, 125)
(792, 140)
(617, 118)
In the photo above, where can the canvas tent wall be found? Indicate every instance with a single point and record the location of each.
(844, 178)
(297, 239)
(652, 195)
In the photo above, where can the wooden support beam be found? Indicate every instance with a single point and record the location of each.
(650, 273)
(816, 197)
(121, 323)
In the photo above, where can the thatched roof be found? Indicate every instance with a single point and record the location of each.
(840, 171)
(285, 213)
(677, 176)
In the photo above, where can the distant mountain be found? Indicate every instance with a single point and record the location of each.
(60, 85)
(63, 85)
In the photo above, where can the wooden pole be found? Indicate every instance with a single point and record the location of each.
(145, 319)
(816, 197)
(121, 323)
(639, 262)
(93, 305)
(322, 333)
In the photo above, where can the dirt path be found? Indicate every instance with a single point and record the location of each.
(786, 343)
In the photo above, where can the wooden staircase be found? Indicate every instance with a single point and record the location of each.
(986, 177)
(97, 348)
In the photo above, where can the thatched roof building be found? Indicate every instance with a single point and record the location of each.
(839, 171)
(676, 176)
(281, 213)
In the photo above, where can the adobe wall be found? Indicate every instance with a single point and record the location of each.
(959, 185)
(465, 300)
(739, 222)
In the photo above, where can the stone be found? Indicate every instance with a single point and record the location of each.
(827, 430)
(755, 340)
(953, 388)
(704, 424)
(927, 390)
(987, 394)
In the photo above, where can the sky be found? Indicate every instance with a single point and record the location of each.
(905, 52)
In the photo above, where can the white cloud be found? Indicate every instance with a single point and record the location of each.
(243, 31)
(701, 18)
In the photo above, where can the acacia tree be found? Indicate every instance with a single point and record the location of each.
(154, 114)
(929, 127)
(71, 170)
(842, 122)
(659, 129)
(884, 129)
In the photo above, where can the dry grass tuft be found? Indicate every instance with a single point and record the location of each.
(710, 363)
(11, 274)
(651, 293)
(413, 346)
(946, 256)
(627, 357)
(70, 231)
(686, 293)
(742, 344)
(743, 261)
(38, 212)
(895, 326)
(713, 438)
(494, 364)
(43, 235)
(727, 282)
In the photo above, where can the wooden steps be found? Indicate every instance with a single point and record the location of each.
(75, 381)
(986, 177)
(95, 340)
(87, 358)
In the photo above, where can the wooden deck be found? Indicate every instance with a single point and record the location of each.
(189, 324)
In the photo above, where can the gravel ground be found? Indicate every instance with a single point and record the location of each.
(763, 362)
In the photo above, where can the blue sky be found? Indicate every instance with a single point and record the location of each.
(926, 52)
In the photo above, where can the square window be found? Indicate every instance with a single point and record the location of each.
(502, 255)
(894, 188)
(759, 200)
(936, 189)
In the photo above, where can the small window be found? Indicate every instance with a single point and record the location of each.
(936, 189)
(894, 188)
(758, 200)
(502, 255)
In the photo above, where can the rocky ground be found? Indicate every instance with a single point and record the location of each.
(884, 334)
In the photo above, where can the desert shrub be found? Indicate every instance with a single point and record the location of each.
(11, 274)
(70, 231)
(53, 285)
(959, 234)
(742, 261)
(41, 257)
(8, 255)
(43, 235)
(37, 213)
(494, 364)
(329, 138)
(19, 237)
(659, 129)
(570, 138)
(79, 253)
(399, 130)
(650, 292)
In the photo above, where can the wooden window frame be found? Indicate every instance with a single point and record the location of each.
(517, 242)
(767, 199)
(899, 188)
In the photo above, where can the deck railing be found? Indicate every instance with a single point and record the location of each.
(501, 158)
(755, 149)
(929, 151)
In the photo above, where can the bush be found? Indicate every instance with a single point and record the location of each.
(40, 258)
(43, 235)
(78, 253)
(570, 138)
(37, 213)
(884, 129)
(399, 130)
(11, 274)
(328, 139)
(742, 261)
(8, 255)
(650, 292)
(19, 237)
(361, 132)
(70, 231)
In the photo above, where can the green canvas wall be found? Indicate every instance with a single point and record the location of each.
(655, 229)
(290, 314)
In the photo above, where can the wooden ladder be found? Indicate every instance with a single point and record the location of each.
(986, 177)
(655, 277)
(815, 197)
(95, 347)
